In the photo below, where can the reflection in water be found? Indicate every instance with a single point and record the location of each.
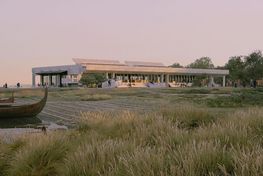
(19, 122)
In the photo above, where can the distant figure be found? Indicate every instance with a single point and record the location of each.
(5, 85)
(251, 83)
(44, 130)
(18, 85)
(235, 85)
(109, 83)
(255, 84)
(130, 83)
(244, 84)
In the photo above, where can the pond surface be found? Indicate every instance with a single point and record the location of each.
(20, 122)
(15, 127)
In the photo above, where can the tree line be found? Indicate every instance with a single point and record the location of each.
(242, 69)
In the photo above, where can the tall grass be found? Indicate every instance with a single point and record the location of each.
(181, 141)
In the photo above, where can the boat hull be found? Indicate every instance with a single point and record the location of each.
(30, 110)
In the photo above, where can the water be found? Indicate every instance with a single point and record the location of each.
(14, 127)
(20, 122)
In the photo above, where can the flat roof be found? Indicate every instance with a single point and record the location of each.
(116, 62)
(146, 64)
(69, 69)
(96, 61)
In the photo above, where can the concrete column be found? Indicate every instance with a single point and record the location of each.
(224, 81)
(162, 78)
(107, 75)
(33, 80)
(50, 80)
(113, 75)
(211, 81)
(42, 80)
(167, 79)
(58, 80)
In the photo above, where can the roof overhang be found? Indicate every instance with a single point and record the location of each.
(154, 70)
(52, 70)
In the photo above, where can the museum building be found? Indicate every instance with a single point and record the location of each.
(126, 74)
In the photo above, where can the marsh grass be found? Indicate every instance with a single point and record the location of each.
(41, 155)
(188, 116)
(95, 97)
(238, 98)
(7, 153)
(185, 140)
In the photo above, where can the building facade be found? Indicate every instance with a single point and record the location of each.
(129, 73)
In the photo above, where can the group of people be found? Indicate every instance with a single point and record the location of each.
(18, 85)
(252, 84)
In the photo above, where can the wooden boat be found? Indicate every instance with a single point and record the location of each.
(8, 100)
(27, 110)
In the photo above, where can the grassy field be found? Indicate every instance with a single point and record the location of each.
(187, 132)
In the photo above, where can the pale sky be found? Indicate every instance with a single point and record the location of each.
(52, 32)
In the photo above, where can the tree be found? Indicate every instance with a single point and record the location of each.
(203, 62)
(92, 79)
(236, 67)
(254, 65)
(176, 65)
(247, 69)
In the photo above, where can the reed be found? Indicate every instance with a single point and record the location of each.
(144, 144)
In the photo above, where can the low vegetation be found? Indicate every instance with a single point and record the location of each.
(238, 98)
(95, 97)
(185, 140)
